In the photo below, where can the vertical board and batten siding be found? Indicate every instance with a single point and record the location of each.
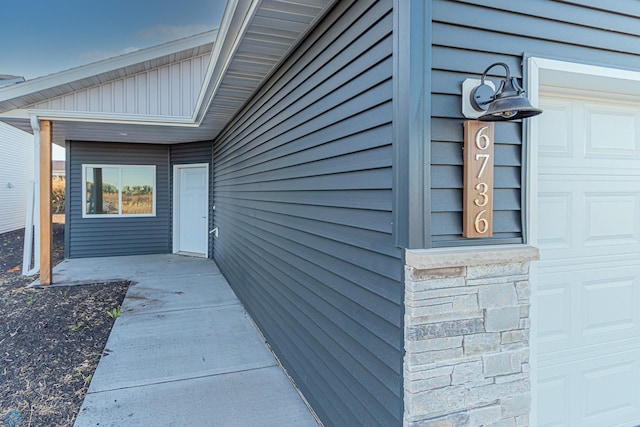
(303, 193)
(94, 237)
(170, 90)
(16, 174)
(190, 153)
(470, 35)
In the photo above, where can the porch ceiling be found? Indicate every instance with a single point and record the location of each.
(254, 37)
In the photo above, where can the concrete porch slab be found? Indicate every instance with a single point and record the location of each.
(179, 344)
(178, 293)
(262, 397)
(92, 270)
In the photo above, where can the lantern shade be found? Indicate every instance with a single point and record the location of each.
(507, 103)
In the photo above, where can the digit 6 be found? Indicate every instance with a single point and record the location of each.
(481, 224)
(482, 139)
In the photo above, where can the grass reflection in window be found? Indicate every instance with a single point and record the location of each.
(119, 190)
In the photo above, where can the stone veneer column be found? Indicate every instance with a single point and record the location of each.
(467, 337)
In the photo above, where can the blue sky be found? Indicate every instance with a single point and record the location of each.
(41, 37)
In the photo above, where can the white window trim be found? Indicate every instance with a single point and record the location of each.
(569, 75)
(118, 215)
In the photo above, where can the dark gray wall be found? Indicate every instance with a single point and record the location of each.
(303, 193)
(470, 35)
(195, 152)
(92, 237)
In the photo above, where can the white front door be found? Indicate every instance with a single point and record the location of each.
(588, 278)
(191, 209)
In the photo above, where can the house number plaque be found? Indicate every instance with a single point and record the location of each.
(477, 203)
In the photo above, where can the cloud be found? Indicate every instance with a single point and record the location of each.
(165, 33)
(98, 55)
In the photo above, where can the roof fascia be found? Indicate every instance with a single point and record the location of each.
(80, 116)
(104, 66)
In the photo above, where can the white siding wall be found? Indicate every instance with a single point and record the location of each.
(171, 90)
(16, 168)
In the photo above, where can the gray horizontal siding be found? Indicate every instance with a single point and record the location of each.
(190, 153)
(469, 35)
(92, 237)
(303, 193)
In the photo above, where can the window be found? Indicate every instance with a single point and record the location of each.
(114, 190)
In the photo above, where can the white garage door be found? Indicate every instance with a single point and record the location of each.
(588, 282)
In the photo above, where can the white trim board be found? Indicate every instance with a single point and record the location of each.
(565, 77)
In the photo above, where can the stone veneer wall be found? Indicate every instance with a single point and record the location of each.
(467, 337)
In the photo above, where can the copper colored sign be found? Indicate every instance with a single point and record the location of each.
(478, 180)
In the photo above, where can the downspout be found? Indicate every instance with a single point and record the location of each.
(32, 227)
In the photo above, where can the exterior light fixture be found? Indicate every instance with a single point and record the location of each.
(482, 102)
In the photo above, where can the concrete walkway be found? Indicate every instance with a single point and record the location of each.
(183, 352)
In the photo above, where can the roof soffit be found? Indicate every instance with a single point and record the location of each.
(255, 37)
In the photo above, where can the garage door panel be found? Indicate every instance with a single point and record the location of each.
(611, 388)
(610, 306)
(608, 385)
(556, 138)
(553, 398)
(588, 217)
(593, 135)
(587, 307)
(554, 322)
(556, 212)
(611, 218)
(611, 132)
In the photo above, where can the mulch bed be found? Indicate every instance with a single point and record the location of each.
(51, 339)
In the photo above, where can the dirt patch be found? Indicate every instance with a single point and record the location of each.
(51, 339)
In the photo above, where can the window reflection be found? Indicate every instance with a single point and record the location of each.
(137, 191)
(102, 190)
(119, 190)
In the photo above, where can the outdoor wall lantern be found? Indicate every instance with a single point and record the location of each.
(481, 101)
